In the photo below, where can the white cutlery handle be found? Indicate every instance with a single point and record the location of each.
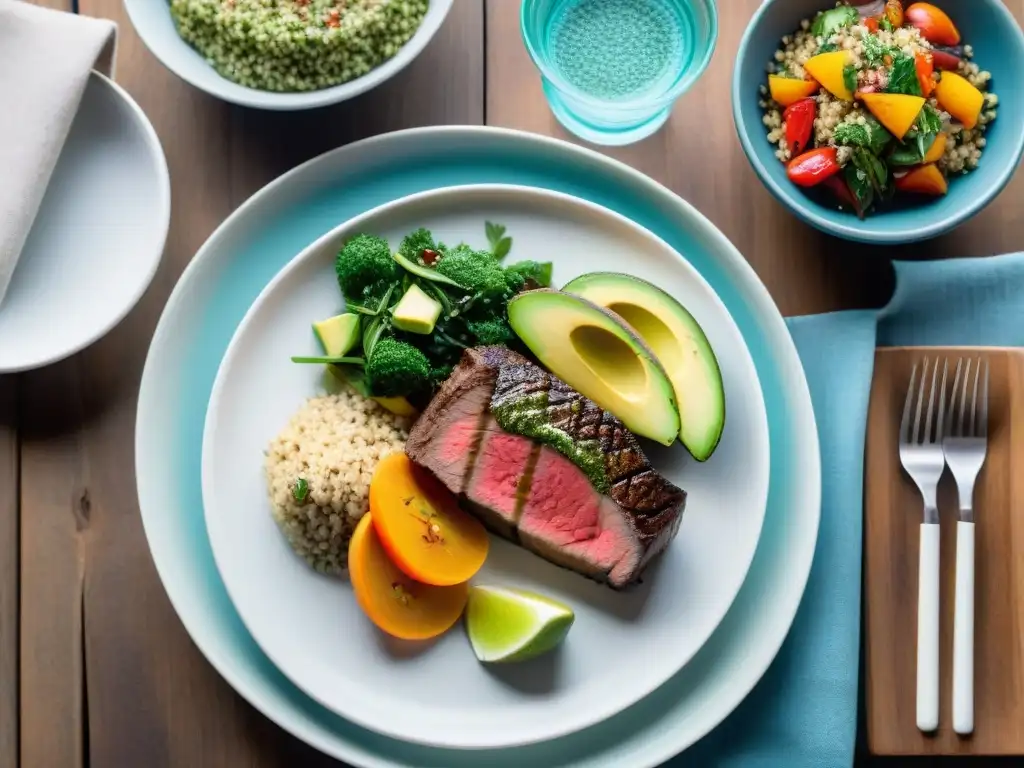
(963, 631)
(928, 629)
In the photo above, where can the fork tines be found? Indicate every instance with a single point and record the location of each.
(969, 419)
(911, 432)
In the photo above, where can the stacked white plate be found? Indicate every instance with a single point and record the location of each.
(644, 673)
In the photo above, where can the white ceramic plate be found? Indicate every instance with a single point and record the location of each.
(153, 23)
(256, 241)
(622, 646)
(97, 239)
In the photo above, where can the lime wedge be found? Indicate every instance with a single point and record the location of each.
(507, 624)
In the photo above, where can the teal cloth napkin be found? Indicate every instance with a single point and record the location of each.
(803, 713)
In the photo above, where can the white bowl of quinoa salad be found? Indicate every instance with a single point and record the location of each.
(884, 122)
(286, 54)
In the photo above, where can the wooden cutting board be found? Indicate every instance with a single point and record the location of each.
(892, 516)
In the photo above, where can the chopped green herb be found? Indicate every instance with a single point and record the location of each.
(872, 135)
(828, 48)
(850, 77)
(885, 24)
(301, 490)
(903, 76)
(875, 51)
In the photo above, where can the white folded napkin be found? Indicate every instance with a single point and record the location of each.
(45, 60)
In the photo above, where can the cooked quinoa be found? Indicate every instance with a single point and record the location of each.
(318, 471)
(296, 45)
(865, 46)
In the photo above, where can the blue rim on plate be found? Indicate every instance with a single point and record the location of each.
(251, 246)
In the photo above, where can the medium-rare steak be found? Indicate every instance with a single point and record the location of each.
(544, 466)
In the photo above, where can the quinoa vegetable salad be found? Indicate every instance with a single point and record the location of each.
(877, 103)
(296, 45)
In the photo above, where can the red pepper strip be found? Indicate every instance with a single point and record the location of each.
(871, 23)
(925, 69)
(799, 119)
(813, 167)
(838, 186)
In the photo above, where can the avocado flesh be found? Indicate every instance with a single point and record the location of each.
(416, 312)
(595, 353)
(679, 344)
(339, 334)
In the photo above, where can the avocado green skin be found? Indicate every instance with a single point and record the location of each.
(658, 298)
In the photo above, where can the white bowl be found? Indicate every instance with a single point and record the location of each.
(153, 23)
(97, 239)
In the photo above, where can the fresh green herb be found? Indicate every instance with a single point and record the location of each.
(872, 135)
(828, 48)
(500, 243)
(827, 23)
(875, 171)
(911, 151)
(329, 360)
(850, 77)
(928, 120)
(903, 76)
(886, 24)
(875, 51)
(859, 184)
(301, 490)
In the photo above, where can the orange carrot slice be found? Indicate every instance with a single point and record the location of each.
(398, 605)
(421, 526)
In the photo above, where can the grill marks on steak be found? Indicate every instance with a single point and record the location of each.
(534, 493)
(628, 477)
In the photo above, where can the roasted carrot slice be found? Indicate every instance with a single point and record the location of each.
(398, 605)
(421, 526)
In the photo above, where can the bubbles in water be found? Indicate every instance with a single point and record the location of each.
(616, 48)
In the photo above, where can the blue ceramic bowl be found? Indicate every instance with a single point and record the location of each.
(998, 45)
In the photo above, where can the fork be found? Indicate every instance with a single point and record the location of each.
(922, 457)
(965, 446)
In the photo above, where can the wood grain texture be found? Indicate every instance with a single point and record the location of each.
(108, 675)
(698, 156)
(893, 514)
(8, 570)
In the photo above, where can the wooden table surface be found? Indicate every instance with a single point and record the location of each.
(95, 667)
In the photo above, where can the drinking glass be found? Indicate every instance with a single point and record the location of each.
(612, 69)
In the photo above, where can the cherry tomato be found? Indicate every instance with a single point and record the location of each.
(813, 167)
(925, 69)
(799, 117)
(894, 12)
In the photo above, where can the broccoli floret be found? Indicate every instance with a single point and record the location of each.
(476, 271)
(397, 369)
(363, 261)
(532, 274)
(493, 331)
(415, 243)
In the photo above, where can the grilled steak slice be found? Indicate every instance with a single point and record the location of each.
(542, 465)
(569, 523)
(448, 432)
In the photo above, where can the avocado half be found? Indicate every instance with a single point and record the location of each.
(678, 342)
(597, 354)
